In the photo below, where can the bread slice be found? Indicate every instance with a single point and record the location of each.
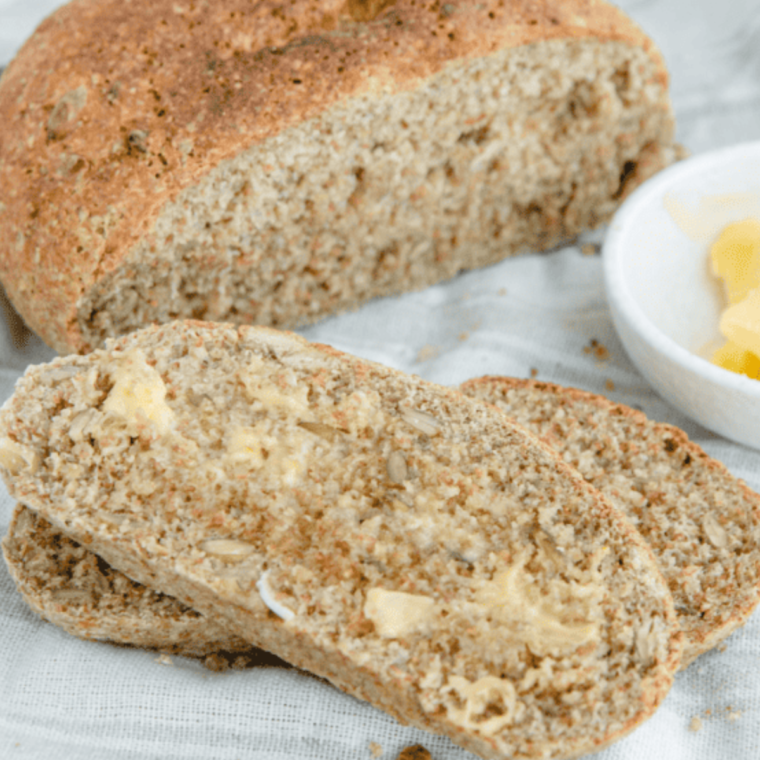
(74, 589)
(649, 470)
(608, 442)
(411, 545)
(702, 523)
(272, 163)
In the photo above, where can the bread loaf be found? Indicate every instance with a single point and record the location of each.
(411, 545)
(702, 523)
(276, 162)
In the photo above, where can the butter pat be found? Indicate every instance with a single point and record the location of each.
(734, 358)
(138, 387)
(396, 613)
(740, 323)
(736, 258)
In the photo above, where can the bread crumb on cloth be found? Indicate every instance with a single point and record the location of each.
(733, 715)
(415, 752)
(427, 352)
(597, 349)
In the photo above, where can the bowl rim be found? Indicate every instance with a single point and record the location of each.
(618, 294)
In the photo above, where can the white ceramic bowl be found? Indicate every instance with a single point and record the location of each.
(664, 300)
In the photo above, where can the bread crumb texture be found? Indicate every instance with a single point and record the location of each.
(78, 591)
(274, 163)
(413, 546)
(702, 523)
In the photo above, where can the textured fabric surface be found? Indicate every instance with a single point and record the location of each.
(74, 700)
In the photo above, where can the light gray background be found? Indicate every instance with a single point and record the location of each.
(63, 698)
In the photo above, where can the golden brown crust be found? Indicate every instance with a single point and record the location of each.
(705, 630)
(103, 101)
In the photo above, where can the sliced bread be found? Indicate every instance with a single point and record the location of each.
(702, 523)
(274, 162)
(626, 456)
(76, 590)
(413, 546)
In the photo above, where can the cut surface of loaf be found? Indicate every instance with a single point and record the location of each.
(702, 523)
(413, 546)
(277, 163)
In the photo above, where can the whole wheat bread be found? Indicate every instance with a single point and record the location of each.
(702, 523)
(76, 590)
(413, 546)
(650, 470)
(272, 163)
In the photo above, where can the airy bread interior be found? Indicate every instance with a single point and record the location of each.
(391, 191)
(412, 545)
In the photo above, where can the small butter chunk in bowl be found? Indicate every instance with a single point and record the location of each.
(735, 257)
(667, 299)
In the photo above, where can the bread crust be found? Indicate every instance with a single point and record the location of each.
(101, 104)
(706, 623)
(295, 640)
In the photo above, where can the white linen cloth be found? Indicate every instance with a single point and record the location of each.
(66, 699)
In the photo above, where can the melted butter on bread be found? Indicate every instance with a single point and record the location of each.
(256, 447)
(558, 618)
(138, 388)
(259, 386)
(396, 613)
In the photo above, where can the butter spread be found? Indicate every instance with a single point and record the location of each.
(487, 705)
(138, 388)
(396, 613)
(257, 447)
(548, 623)
(362, 409)
(263, 389)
